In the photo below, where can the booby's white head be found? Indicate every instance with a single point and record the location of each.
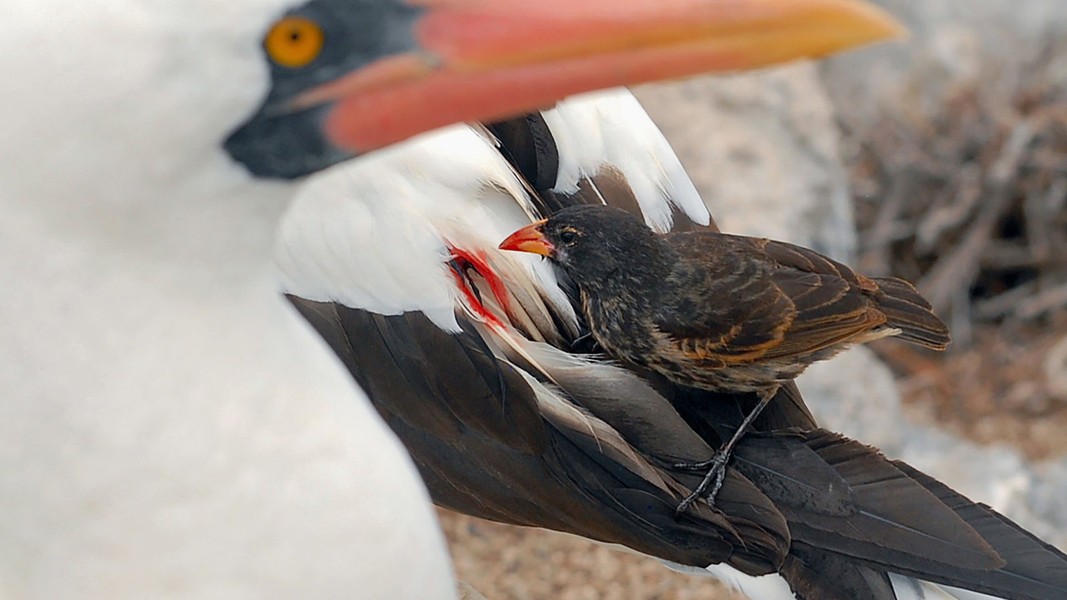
(127, 84)
(114, 130)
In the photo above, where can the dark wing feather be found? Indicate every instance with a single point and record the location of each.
(1033, 569)
(786, 411)
(620, 398)
(816, 575)
(850, 508)
(527, 143)
(892, 519)
(484, 448)
(402, 373)
(905, 522)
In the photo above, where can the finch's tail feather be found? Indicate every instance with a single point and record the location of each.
(905, 309)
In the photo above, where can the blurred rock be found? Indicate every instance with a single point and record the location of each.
(762, 148)
(467, 592)
(1044, 507)
(951, 43)
(855, 394)
(1055, 368)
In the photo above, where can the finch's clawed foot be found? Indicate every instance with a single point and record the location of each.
(711, 484)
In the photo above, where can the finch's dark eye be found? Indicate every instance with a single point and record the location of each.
(568, 237)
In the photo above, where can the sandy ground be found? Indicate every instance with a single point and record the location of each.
(514, 563)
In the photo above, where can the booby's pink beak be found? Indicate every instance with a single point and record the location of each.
(489, 59)
(529, 239)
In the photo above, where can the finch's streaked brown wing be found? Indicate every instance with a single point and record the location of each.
(830, 311)
(743, 305)
(902, 305)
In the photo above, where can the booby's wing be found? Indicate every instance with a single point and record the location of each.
(492, 441)
(508, 428)
(598, 148)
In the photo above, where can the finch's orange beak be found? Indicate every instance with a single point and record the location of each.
(529, 239)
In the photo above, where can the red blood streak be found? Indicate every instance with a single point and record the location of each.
(476, 260)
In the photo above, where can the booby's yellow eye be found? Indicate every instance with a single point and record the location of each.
(294, 42)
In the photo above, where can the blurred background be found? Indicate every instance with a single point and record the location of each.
(941, 159)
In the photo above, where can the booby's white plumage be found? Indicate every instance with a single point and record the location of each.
(376, 234)
(611, 130)
(170, 427)
(773, 587)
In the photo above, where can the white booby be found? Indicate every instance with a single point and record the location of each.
(463, 350)
(170, 427)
